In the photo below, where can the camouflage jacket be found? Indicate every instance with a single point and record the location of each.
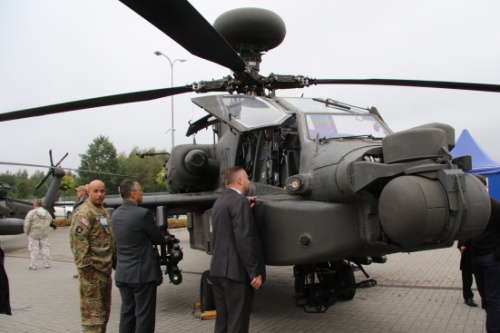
(91, 239)
(37, 223)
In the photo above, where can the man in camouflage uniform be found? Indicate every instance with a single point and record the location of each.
(93, 247)
(36, 226)
(81, 197)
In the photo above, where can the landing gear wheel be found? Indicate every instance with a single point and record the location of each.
(348, 279)
(207, 302)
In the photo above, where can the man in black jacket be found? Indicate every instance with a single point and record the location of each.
(137, 270)
(237, 267)
(467, 271)
(486, 261)
(4, 287)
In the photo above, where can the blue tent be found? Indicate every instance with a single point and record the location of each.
(481, 163)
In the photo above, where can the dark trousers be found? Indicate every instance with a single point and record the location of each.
(138, 307)
(467, 280)
(487, 272)
(233, 303)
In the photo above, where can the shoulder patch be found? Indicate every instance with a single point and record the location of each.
(84, 222)
(78, 230)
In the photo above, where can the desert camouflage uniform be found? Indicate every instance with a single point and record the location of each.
(36, 225)
(93, 247)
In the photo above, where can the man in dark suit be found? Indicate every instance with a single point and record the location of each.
(137, 270)
(486, 264)
(467, 271)
(4, 287)
(237, 267)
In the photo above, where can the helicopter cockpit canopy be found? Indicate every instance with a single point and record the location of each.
(243, 113)
(327, 119)
(334, 126)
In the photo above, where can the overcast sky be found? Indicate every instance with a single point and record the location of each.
(54, 51)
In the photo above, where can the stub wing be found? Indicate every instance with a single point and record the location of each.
(181, 203)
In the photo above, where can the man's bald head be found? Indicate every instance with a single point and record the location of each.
(97, 192)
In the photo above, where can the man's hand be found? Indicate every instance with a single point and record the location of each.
(256, 282)
(251, 201)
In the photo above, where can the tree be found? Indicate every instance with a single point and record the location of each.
(145, 169)
(102, 158)
(67, 183)
(160, 177)
(8, 179)
(24, 187)
(35, 180)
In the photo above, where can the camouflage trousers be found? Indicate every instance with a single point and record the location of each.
(95, 302)
(36, 247)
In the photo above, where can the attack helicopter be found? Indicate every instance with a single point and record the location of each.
(13, 211)
(336, 187)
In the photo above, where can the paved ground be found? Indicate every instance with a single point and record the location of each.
(418, 292)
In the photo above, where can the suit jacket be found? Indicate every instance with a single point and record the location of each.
(236, 251)
(466, 257)
(489, 240)
(135, 233)
(4, 287)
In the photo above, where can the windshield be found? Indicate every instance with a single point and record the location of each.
(251, 111)
(330, 126)
(244, 113)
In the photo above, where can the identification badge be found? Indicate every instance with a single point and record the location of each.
(104, 222)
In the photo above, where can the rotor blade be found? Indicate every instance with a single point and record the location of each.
(185, 25)
(62, 159)
(25, 164)
(412, 83)
(51, 171)
(50, 156)
(139, 96)
(43, 180)
(70, 169)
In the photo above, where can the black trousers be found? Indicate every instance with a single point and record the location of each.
(467, 279)
(233, 303)
(487, 272)
(138, 310)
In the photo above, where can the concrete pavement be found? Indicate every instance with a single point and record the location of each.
(418, 292)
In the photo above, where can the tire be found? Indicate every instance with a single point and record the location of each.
(348, 278)
(69, 216)
(207, 301)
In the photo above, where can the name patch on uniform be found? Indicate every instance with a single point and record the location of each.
(84, 222)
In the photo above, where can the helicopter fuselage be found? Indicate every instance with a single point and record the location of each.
(332, 180)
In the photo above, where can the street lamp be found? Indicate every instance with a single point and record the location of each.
(158, 53)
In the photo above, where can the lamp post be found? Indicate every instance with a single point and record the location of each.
(158, 53)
